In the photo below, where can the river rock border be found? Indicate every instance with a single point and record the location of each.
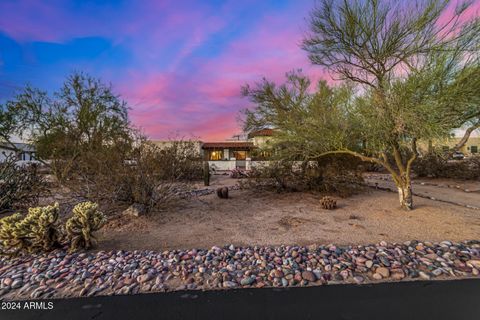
(59, 274)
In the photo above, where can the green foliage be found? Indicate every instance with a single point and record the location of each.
(78, 124)
(37, 231)
(404, 73)
(80, 226)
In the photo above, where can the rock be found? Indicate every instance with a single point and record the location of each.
(424, 275)
(309, 276)
(145, 278)
(358, 279)
(384, 272)
(377, 276)
(17, 283)
(135, 210)
(437, 272)
(229, 284)
(277, 273)
(384, 261)
(431, 256)
(7, 282)
(474, 264)
(397, 274)
(368, 264)
(247, 281)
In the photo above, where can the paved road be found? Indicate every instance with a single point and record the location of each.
(452, 300)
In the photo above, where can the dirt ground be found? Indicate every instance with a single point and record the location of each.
(268, 218)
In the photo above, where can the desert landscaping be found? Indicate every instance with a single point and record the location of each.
(268, 219)
(371, 175)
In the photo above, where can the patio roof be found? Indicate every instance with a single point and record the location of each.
(228, 144)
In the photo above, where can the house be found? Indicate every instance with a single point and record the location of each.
(236, 152)
(471, 148)
(20, 151)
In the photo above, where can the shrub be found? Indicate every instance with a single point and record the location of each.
(438, 166)
(20, 185)
(80, 226)
(37, 231)
(150, 175)
(329, 174)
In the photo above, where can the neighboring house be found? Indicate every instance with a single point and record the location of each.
(471, 148)
(21, 151)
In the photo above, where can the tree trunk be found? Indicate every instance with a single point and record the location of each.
(466, 136)
(405, 195)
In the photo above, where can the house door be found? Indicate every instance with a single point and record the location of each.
(240, 156)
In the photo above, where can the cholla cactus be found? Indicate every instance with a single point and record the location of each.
(37, 231)
(80, 227)
(328, 203)
(11, 238)
(40, 225)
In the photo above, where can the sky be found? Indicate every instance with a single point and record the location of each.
(179, 64)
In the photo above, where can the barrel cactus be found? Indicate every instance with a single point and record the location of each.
(80, 227)
(36, 231)
(328, 203)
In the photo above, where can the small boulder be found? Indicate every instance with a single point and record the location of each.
(135, 210)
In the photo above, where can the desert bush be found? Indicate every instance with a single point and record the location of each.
(20, 185)
(85, 219)
(438, 166)
(37, 231)
(147, 174)
(238, 174)
(330, 174)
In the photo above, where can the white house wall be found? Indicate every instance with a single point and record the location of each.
(4, 153)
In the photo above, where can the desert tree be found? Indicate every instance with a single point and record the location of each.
(401, 67)
(83, 120)
(403, 54)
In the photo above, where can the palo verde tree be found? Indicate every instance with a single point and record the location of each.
(388, 48)
(399, 66)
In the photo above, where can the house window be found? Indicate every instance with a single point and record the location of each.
(240, 155)
(215, 155)
(474, 149)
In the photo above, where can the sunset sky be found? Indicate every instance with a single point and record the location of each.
(179, 64)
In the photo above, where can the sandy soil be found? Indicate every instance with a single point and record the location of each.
(265, 218)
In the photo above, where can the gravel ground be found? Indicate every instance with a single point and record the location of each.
(59, 274)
